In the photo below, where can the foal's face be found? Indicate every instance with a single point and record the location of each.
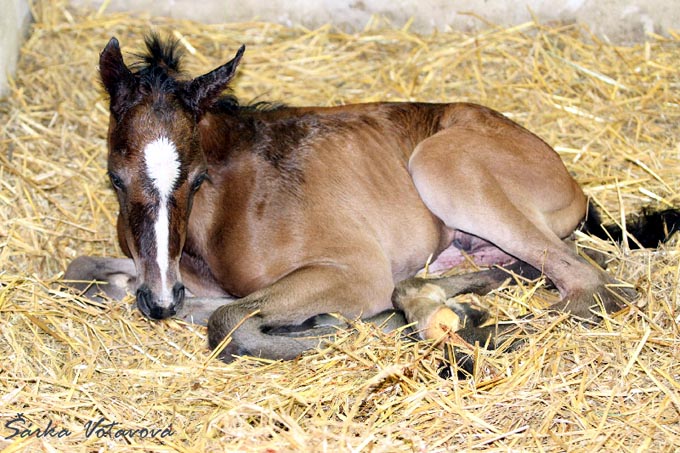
(155, 162)
(155, 166)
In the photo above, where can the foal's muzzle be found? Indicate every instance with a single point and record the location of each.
(147, 302)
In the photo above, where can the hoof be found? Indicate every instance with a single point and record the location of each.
(443, 326)
(589, 305)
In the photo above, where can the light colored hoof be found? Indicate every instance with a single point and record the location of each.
(442, 327)
(435, 321)
(442, 322)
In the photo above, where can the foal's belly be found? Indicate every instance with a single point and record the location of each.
(466, 249)
(415, 240)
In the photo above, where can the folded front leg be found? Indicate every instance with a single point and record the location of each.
(272, 322)
(425, 303)
(95, 277)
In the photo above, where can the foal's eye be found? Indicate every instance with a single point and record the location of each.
(198, 181)
(116, 182)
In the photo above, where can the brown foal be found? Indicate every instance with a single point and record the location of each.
(260, 220)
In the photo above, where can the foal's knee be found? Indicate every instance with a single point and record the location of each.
(222, 323)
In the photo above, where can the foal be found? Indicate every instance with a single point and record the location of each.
(299, 212)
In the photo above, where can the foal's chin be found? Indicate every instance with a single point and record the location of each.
(151, 307)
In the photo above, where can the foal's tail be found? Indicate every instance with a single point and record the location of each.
(648, 227)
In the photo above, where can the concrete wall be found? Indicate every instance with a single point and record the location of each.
(620, 21)
(14, 20)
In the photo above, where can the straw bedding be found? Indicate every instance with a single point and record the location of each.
(612, 113)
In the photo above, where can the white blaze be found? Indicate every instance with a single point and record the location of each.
(162, 168)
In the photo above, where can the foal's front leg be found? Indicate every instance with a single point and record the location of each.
(261, 323)
(96, 276)
(425, 302)
(114, 278)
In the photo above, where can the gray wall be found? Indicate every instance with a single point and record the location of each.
(620, 21)
(14, 19)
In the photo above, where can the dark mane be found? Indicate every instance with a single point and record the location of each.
(230, 103)
(160, 53)
(158, 67)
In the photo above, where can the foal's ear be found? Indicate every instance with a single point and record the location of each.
(201, 92)
(116, 77)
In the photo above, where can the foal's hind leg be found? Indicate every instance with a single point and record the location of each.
(514, 192)
(97, 276)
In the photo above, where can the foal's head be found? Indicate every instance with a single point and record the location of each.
(155, 162)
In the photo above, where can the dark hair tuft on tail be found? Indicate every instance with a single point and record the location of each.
(649, 227)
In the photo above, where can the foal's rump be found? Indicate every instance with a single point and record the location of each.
(481, 156)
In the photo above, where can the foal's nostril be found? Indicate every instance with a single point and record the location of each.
(148, 307)
(178, 295)
(144, 300)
